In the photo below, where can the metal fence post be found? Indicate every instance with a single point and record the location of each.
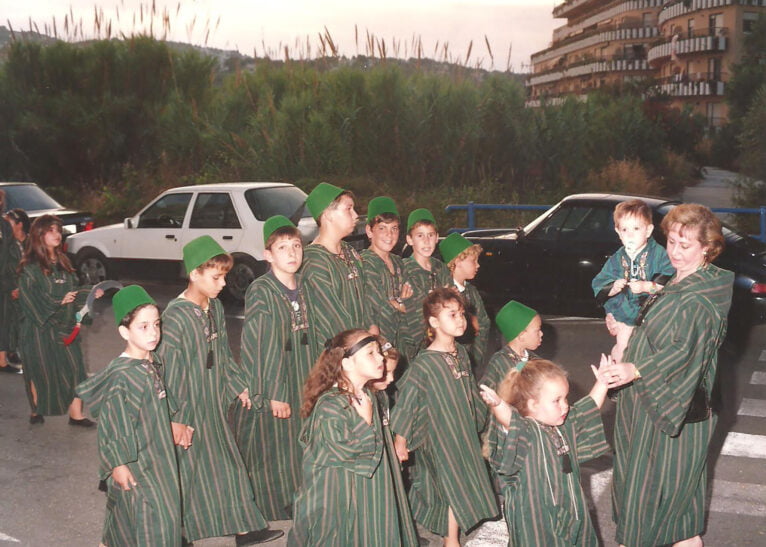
(472, 216)
(763, 223)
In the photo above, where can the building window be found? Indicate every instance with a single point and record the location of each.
(690, 28)
(715, 23)
(714, 68)
(748, 21)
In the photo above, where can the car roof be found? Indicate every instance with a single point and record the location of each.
(228, 186)
(651, 201)
(13, 183)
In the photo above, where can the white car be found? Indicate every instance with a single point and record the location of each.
(149, 244)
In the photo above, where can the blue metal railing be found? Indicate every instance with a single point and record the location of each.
(471, 208)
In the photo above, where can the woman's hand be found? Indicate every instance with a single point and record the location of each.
(617, 374)
(400, 447)
(122, 476)
(280, 409)
(68, 298)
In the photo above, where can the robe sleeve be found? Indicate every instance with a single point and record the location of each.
(41, 304)
(479, 346)
(409, 414)
(347, 440)
(329, 312)
(262, 352)
(480, 410)
(508, 448)
(588, 428)
(671, 375)
(117, 442)
(602, 283)
(236, 375)
(177, 377)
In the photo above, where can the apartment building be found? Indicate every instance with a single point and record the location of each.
(685, 48)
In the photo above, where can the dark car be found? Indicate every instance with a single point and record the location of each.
(34, 200)
(549, 264)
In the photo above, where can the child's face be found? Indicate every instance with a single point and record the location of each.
(633, 232)
(423, 240)
(343, 216)
(52, 238)
(383, 236)
(365, 365)
(389, 377)
(285, 254)
(143, 333)
(550, 407)
(450, 320)
(532, 336)
(209, 281)
(18, 229)
(466, 268)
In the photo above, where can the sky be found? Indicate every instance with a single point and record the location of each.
(514, 28)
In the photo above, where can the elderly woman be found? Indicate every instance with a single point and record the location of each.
(664, 422)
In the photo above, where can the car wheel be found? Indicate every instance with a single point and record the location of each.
(92, 267)
(244, 271)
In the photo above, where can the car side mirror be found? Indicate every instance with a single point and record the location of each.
(128, 223)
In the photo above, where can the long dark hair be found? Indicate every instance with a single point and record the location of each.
(35, 251)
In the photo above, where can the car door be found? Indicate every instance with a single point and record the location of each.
(214, 214)
(153, 244)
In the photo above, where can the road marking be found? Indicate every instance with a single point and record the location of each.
(763, 355)
(759, 378)
(743, 444)
(753, 407)
(738, 498)
(3, 537)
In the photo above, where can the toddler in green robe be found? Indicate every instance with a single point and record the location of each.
(536, 443)
(521, 326)
(135, 441)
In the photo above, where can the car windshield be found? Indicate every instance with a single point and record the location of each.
(29, 197)
(276, 200)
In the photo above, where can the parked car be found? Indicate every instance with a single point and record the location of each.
(149, 245)
(549, 264)
(33, 199)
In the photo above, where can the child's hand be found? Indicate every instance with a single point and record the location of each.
(68, 298)
(637, 287)
(489, 395)
(182, 434)
(400, 447)
(599, 372)
(280, 409)
(122, 476)
(617, 286)
(406, 291)
(99, 293)
(475, 323)
(15, 294)
(244, 397)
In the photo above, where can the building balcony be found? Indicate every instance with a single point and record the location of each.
(589, 66)
(615, 11)
(694, 85)
(590, 38)
(707, 40)
(573, 8)
(680, 8)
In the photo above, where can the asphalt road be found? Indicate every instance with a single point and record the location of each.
(48, 473)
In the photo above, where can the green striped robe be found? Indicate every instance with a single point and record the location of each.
(422, 282)
(543, 505)
(348, 496)
(133, 414)
(335, 290)
(10, 311)
(500, 364)
(380, 287)
(440, 413)
(660, 466)
(409, 534)
(475, 342)
(53, 368)
(216, 493)
(278, 355)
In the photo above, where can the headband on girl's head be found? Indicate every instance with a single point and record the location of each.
(359, 345)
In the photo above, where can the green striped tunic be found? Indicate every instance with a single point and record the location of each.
(422, 282)
(475, 341)
(348, 496)
(501, 363)
(409, 534)
(53, 368)
(440, 413)
(334, 286)
(216, 493)
(128, 397)
(544, 505)
(278, 354)
(381, 287)
(660, 466)
(10, 311)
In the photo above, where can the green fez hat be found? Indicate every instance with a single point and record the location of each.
(320, 197)
(273, 224)
(513, 318)
(200, 250)
(453, 245)
(380, 205)
(417, 215)
(128, 299)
